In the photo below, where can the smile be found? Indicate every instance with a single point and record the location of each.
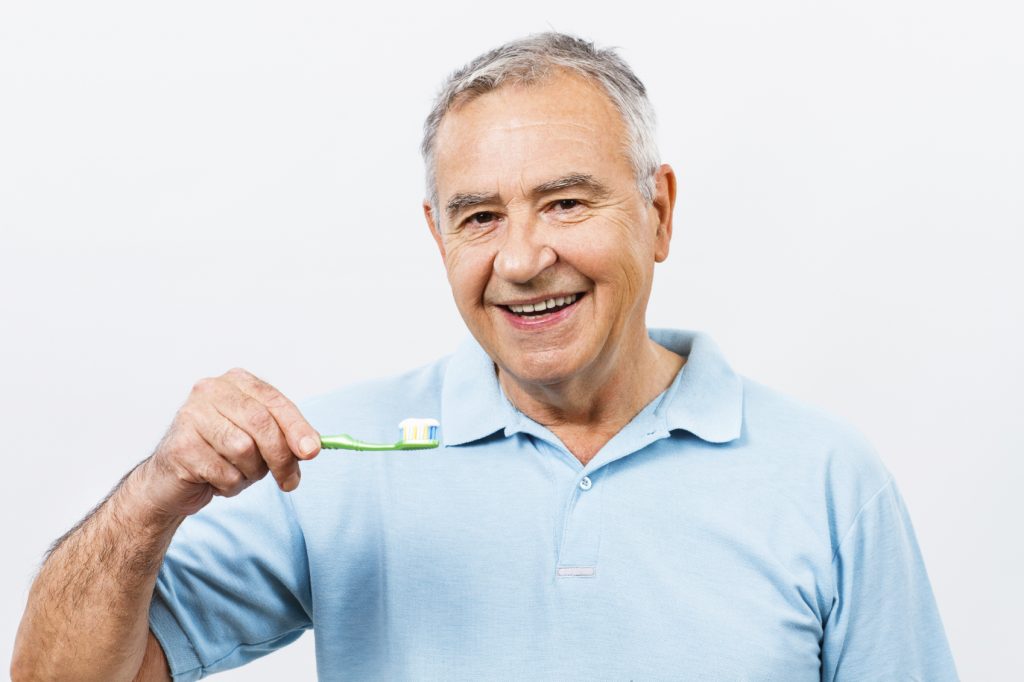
(544, 307)
(542, 315)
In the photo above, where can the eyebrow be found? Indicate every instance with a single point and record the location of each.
(463, 200)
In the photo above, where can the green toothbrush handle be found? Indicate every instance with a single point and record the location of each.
(344, 441)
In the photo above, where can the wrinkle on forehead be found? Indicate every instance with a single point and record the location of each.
(576, 94)
(517, 134)
(518, 125)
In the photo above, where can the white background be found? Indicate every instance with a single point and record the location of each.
(191, 186)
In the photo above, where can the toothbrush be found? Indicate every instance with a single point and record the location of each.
(417, 434)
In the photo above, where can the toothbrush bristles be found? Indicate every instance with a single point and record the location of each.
(419, 430)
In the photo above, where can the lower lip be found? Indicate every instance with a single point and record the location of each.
(538, 322)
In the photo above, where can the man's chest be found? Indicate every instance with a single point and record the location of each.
(636, 576)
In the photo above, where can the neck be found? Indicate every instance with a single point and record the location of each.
(602, 401)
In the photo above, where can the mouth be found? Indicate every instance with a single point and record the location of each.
(542, 313)
(545, 307)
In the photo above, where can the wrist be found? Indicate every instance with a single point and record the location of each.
(136, 503)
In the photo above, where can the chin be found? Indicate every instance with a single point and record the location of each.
(542, 371)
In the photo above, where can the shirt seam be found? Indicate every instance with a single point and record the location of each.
(856, 518)
(205, 666)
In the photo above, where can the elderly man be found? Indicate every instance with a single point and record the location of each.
(609, 501)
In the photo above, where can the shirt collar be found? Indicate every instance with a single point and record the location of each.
(706, 399)
(473, 404)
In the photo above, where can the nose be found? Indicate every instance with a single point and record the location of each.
(523, 254)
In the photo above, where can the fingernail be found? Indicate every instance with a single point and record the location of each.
(308, 445)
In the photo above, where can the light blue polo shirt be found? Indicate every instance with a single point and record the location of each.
(728, 532)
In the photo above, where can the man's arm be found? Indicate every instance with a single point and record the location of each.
(154, 663)
(87, 615)
(88, 608)
(884, 623)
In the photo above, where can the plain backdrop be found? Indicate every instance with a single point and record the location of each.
(187, 187)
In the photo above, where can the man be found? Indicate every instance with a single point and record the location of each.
(609, 502)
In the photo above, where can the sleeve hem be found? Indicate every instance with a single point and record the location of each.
(178, 650)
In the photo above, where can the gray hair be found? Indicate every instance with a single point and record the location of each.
(532, 59)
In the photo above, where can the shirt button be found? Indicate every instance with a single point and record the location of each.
(586, 483)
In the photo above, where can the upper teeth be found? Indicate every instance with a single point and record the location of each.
(543, 305)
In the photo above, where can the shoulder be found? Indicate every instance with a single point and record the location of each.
(781, 421)
(807, 442)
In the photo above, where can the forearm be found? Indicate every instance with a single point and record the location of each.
(87, 611)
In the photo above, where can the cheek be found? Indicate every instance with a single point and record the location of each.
(615, 253)
(468, 273)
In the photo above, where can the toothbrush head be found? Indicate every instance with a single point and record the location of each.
(418, 433)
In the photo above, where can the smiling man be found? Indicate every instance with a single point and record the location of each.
(550, 250)
(609, 501)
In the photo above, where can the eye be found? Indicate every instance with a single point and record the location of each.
(566, 204)
(481, 218)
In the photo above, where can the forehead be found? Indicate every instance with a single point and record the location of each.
(528, 132)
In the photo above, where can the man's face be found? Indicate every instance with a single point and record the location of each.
(507, 240)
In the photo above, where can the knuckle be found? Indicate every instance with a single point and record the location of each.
(233, 479)
(209, 472)
(241, 444)
(279, 456)
(260, 420)
(240, 488)
(178, 442)
(187, 415)
(300, 429)
(281, 471)
(233, 489)
(204, 386)
(275, 399)
(237, 443)
(237, 372)
(255, 470)
(220, 475)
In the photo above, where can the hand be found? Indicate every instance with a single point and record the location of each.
(230, 432)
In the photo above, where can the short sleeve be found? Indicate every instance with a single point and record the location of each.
(234, 584)
(884, 623)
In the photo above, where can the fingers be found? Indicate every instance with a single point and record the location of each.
(303, 440)
(232, 431)
(230, 441)
(244, 432)
(206, 465)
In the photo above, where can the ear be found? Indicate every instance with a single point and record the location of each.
(435, 232)
(664, 202)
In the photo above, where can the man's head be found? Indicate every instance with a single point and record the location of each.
(543, 182)
(532, 60)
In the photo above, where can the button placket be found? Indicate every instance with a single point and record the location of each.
(581, 534)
